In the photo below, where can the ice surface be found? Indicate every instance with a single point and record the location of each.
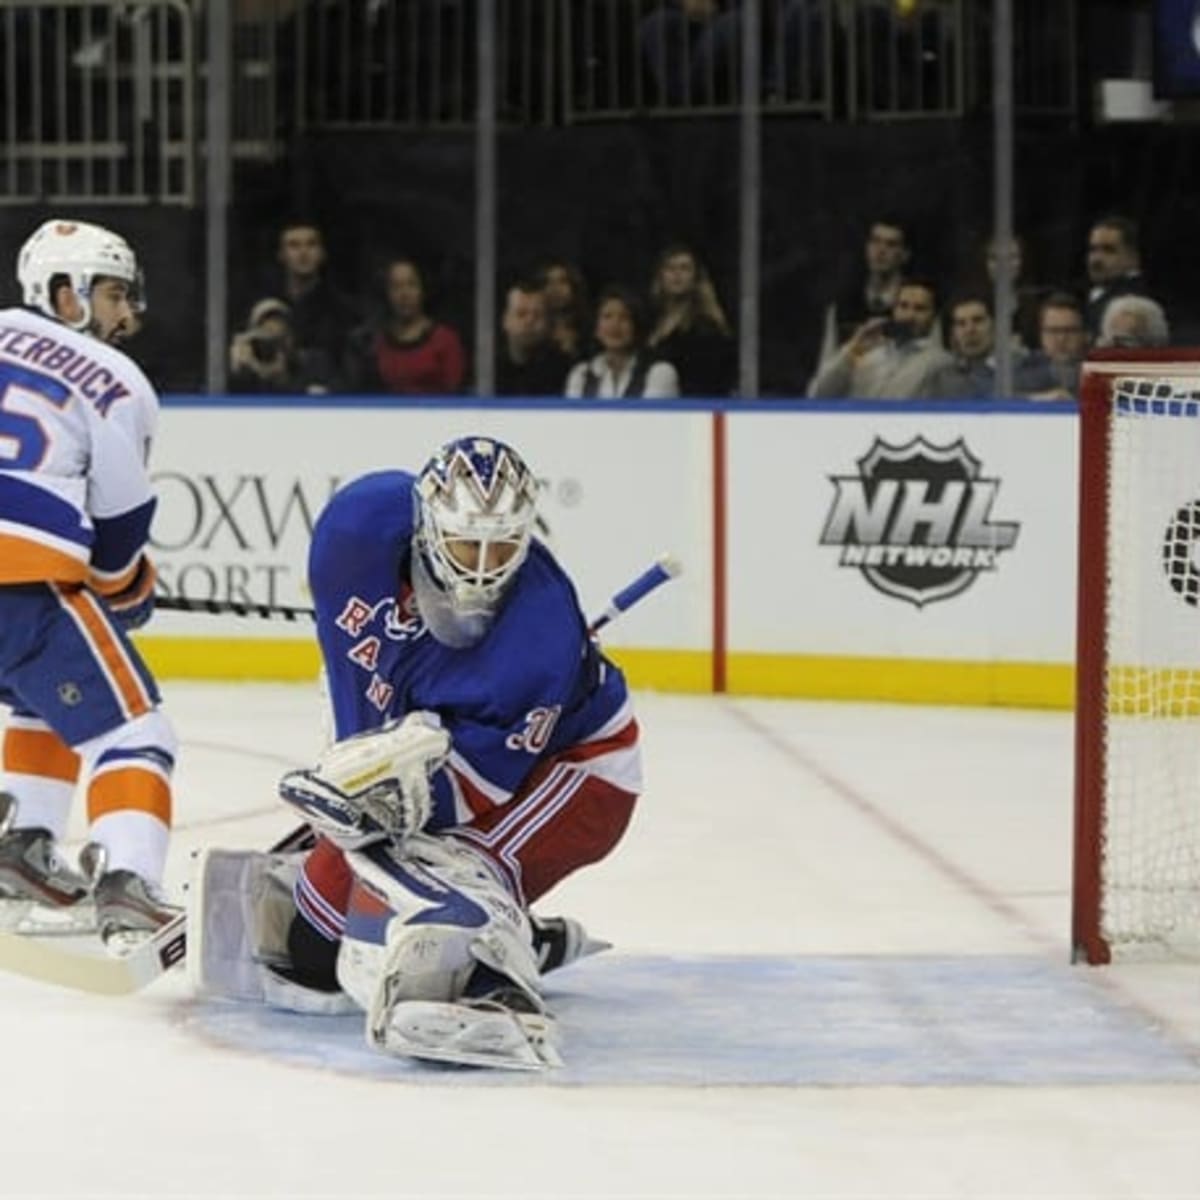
(840, 971)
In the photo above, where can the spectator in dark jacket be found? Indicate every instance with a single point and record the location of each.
(1114, 266)
(321, 316)
(689, 325)
(528, 363)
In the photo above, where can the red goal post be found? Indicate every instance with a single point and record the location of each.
(1136, 873)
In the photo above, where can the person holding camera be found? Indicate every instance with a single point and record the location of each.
(888, 358)
(264, 357)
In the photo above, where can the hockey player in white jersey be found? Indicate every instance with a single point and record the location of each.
(77, 418)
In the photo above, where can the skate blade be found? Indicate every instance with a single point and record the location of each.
(31, 919)
(470, 1037)
(121, 943)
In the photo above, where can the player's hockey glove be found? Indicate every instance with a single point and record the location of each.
(134, 604)
(373, 785)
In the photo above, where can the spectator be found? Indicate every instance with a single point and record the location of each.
(871, 291)
(1052, 371)
(889, 358)
(528, 363)
(407, 352)
(566, 306)
(1114, 266)
(690, 329)
(623, 369)
(971, 373)
(264, 357)
(1133, 321)
(321, 316)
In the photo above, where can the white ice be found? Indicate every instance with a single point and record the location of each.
(767, 827)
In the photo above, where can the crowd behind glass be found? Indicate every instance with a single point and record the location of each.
(888, 332)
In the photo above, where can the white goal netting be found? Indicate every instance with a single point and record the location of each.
(1150, 834)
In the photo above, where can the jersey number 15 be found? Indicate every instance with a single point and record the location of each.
(23, 438)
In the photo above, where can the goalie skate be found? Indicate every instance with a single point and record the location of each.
(470, 1033)
(559, 941)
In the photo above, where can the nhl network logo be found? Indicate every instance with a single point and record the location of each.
(915, 520)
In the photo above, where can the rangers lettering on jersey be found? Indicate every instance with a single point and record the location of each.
(354, 617)
(380, 693)
(366, 653)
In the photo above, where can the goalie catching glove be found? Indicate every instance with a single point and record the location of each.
(373, 785)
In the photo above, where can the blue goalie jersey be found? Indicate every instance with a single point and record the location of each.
(534, 686)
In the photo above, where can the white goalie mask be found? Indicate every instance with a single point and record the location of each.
(476, 505)
(81, 253)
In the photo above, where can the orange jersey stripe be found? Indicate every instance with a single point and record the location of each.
(129, 788)
(86, 609)
(113, 585)
(23, 560)
(39, 752)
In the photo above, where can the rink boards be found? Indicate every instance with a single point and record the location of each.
(877, 551)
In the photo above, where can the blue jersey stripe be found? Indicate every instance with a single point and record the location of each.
(119, 540)
(27, 504)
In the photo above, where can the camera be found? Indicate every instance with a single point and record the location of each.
(898, 331)
(265, 348)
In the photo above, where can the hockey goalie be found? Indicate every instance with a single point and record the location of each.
(485, 749)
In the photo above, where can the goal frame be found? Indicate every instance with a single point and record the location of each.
(1100, 370)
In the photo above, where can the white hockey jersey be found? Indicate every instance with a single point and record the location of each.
(77, 417)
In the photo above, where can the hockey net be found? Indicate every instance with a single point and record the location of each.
(1136, 884)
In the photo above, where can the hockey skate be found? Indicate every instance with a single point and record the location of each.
(559, 941)
(39, 893)
(129, 909)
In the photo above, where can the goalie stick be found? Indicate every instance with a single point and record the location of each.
(235, 608)
(665, 567)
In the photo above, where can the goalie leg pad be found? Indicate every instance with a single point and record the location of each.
(240, 909)
(442, 898)
(424, 920)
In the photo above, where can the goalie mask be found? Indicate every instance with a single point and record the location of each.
(476, 502)
(80, 253)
